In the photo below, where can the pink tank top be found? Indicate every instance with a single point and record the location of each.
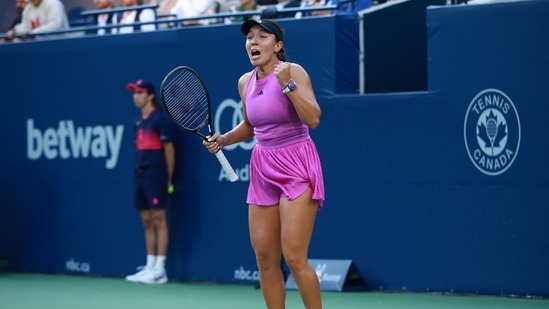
(272, 114)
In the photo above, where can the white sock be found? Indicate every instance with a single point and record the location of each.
(160, 259)
(151, 260)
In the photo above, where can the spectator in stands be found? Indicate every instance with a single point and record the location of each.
(164, 12)
(165, 6)
(344, 6)
(351, 6)
(154, 166)
(105, 18)
(291, 4)
(312, 4)
(134, 16)
(242, 6)
(195, 8)
(40, 16)
(286, 187)
(19, 7)
(274, 11)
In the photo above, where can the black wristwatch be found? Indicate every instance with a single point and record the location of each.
(290, 87)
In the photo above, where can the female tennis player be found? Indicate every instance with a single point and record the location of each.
(286, 184)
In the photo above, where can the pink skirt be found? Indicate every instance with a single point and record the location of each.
(285, 172)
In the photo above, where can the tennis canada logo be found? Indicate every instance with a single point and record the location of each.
(492, 132)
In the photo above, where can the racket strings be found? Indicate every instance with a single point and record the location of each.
(186, 100)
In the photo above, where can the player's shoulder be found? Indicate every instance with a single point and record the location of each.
(245, 77)
(158, 115)
(243, 81)
(296, 66)
(297, 70)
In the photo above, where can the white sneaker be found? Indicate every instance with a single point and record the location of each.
(135, 277)
(154, 276)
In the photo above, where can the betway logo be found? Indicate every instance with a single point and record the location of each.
(70, 142)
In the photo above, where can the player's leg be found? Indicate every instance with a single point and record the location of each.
(297, 222)
(264, 224)
(141, 203)
(162, 234)
(162, 237)
(157, 228)
(150, 232)
(157, 244)
(146, 221)
(159, 217)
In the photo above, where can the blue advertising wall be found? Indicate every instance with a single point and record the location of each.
(443, 190)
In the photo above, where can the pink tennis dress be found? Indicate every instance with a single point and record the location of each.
(284, 161)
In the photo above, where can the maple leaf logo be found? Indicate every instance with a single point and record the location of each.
(492, 133)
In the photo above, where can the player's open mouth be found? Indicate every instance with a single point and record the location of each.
(255, 53)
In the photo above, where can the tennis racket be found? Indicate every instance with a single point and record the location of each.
(187, 102)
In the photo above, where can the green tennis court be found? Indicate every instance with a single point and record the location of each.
(38, 291)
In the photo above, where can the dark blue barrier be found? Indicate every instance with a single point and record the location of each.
(395, 46)
(408, 200)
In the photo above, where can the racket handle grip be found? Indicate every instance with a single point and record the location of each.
(226, 166)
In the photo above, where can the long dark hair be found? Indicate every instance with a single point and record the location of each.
(281, 55)
(155, 103)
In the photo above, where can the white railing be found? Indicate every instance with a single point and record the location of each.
(171, 21)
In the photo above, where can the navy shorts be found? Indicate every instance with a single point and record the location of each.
(151, 187)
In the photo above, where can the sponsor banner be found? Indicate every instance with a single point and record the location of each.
(68, 141)
(333, 275)
(246, 275)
